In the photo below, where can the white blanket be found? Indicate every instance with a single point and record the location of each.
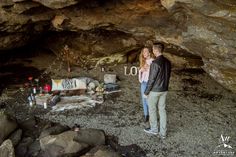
(73, 102)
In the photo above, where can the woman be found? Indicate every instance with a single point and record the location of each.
(145, 60)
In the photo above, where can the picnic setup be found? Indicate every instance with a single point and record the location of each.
(62, 94)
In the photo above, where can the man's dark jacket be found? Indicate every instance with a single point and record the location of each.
(159, 75)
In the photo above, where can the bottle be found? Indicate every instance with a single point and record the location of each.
(40, 90)
(33, 99)
(102, 69)
(30, 101)
(37, 85)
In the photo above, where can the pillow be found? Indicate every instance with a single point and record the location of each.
(68, 84)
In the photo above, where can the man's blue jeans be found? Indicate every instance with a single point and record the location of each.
(144, 100)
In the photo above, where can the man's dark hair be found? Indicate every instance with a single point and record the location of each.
(159, 46)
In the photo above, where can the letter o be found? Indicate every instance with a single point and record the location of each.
(133, 70)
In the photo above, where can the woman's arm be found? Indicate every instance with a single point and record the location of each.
(140, 75)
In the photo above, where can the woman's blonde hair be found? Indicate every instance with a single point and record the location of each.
(142, 60)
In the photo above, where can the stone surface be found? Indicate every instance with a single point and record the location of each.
(102, 151)
(34, 148)
(57, 4)
(53, 131)
(22, 147)
(7, 126)
(104, 47)
(101, 32)
(15, 137)
(91, 136)
(7, 149)
(62, 144)
(210, 36)
(28, 124)
(22, 22)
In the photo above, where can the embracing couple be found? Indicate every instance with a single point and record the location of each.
(154, 76)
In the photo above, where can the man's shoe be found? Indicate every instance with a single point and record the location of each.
(146, 118)
(162, 137)
(151, 131)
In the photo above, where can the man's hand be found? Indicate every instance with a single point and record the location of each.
(145, 96)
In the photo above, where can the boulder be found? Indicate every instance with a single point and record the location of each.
(20, 8)
(62, 144)
(102, 151)
(15, 137)
(92, 137)
(33, 149)
(7, 126)
(7, 149)
(57, 4)
(28, 124)
(52, 151)
(22, 147)
(53, 130)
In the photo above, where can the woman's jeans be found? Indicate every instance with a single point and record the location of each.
(144, 100)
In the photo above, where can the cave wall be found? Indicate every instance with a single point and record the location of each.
(100, 31)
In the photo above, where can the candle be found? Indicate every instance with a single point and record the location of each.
(45, 105)
(47, 88)
(34, 90)
(31, 103)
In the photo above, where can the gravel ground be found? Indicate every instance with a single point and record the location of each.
(199, 110)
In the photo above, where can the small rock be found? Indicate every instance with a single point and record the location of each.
(7, 149)
(58, 20)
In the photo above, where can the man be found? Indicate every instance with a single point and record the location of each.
(156, 90)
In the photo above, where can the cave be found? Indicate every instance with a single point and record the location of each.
(53, 40)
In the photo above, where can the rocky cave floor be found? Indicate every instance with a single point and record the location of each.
(199, 110)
